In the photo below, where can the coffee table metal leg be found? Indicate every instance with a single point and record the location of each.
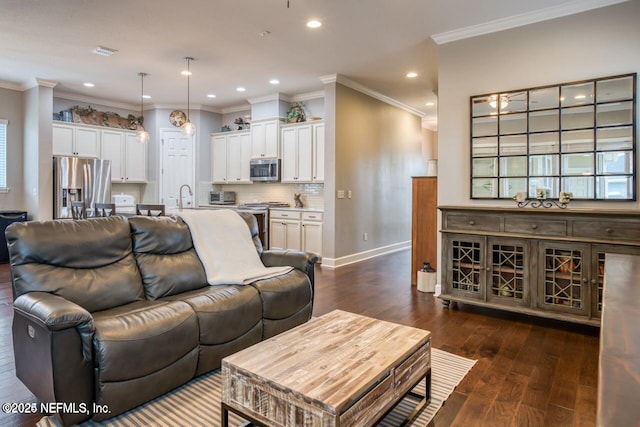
(425, 399)
(225, 416)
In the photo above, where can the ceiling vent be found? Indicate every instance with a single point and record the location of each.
(104, 51)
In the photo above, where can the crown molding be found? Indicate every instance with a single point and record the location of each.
(545, 14)
(98, 101)
(377, 95)
(12, 86)
(236, 108)
(273, 97)
(45, 83)
(331, 78)
(307, 96)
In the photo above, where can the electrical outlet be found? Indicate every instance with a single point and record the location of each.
(365, 236)
(349, 194)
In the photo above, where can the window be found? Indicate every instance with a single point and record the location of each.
(3, 153)
(577, 138)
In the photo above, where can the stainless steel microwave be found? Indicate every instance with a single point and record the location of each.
(264, 170)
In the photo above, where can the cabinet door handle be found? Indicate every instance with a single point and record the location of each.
(584, 280)
(593, 281)
(609, 230)
(488, 268)
(472, 223)
(534, 226)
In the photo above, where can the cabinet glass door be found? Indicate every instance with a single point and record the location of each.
(467, 270)
(597, 273)
(564, 284)
(509, 276)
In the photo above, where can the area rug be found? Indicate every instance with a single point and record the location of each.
(197, 403)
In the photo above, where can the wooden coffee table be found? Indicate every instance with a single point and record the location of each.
(341, 369)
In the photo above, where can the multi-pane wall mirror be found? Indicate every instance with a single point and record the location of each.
(577, 138)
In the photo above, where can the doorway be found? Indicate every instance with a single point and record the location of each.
(177, 167)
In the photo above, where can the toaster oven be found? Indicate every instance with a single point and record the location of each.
(222, 197)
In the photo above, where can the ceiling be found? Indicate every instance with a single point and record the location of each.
(373, 43)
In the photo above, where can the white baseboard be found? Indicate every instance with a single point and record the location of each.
(438, 290)
(361, 256)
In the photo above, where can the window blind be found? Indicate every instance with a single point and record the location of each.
(3, 153)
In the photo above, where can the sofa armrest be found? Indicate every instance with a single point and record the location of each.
(52, 344)
(304, 261)
(55, 313)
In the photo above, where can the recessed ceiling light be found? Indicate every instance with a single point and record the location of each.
(314, 23)
(87, 84)
(580, 96)
(186, 73)
(211, 95)
(104, 51)
(430, 104)
(274, 81)
(264, 33)
(240, 89)
(412, 74)
(146, 96)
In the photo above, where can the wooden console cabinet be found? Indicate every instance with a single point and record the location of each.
(543, 262)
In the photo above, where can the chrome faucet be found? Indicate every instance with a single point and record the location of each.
(180, 194)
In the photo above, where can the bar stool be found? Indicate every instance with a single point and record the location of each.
(78, 210)
(149, 210)
(104, 209)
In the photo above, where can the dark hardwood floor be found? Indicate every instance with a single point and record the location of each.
(530, 371)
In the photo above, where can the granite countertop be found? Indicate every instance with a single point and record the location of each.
(210, 206)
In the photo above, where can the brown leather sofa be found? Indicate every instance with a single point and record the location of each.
(116, 312)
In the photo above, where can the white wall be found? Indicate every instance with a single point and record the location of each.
(11, 110)
(599, 43)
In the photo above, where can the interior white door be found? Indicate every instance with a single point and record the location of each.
(177, 167)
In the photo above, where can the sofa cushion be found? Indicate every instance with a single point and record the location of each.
(88, 262)
(143, 337)
(165, 255)
(224, 312)
(285, 295)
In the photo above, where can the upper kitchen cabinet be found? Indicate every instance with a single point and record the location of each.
(72, 140)
(302, 152)
(265, 139)
(297, 144)
(231, 153)
(128, 156)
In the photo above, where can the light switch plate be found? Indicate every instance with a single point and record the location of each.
(340, 194)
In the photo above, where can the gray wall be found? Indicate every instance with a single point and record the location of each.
(599, 43)
(11, 109)
(377, 150)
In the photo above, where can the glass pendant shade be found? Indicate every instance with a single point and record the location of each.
(188, 129)
(142, 136)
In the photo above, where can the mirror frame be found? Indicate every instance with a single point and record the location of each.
(497, 104)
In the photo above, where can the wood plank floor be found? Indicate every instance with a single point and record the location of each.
(530, 371)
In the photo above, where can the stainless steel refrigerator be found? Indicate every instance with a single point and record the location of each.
(80, 179)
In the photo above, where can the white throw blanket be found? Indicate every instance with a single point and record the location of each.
(225, 247)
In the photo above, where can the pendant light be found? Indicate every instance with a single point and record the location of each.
(188, 129)
(142, 135)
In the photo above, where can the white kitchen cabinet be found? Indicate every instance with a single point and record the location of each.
(71, 140)
(231, 154)
(265, 139)
(135, 159)
(312, 232)
(296, 230)
(128, 156)
(297, 153)
(318, 152)
(285, 230)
